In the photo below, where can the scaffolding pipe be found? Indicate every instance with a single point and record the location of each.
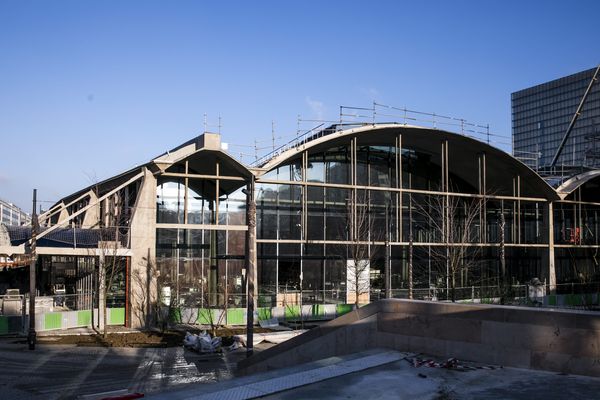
(575, 116)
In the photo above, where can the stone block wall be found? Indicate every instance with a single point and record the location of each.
(553, 340)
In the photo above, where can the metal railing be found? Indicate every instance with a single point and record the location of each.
(378, 113)
(482, 294)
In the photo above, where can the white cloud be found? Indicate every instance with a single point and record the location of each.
(371, 93)
(317, 107)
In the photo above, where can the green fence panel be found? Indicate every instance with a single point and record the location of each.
(342, 309)
(3, 325)
(264, 313)
(205, 316)
(552, 300)
(175, 315)
(318, 311)
(292, 312)
(84, 318)
(52, 321)
(117, 316)
(574, 300)
(236, 316)
(589, 299)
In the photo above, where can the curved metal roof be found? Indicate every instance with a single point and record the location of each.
(500, 165)
(568, 186)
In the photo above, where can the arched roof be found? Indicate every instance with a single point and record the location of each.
(576, 181)
(501, 166)
(206, 148)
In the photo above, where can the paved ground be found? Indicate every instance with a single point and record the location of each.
(65, 372)
(394, 380)
(400, 380)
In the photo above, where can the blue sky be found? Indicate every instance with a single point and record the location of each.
(89, 89)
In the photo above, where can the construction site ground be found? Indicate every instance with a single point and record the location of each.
(123, 337)
(89, 365)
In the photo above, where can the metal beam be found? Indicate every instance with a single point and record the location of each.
(61, 206)
(575, 116)
(398, 190)
(84, 209)
(203, 176)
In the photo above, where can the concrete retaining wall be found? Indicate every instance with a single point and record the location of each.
(553, 340)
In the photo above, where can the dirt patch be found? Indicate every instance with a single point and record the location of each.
(136, 339)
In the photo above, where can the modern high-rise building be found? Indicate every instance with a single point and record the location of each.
(12, 215)
(541, 116)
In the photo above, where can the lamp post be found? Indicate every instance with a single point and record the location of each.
(388, 269)
(31, 337)
(251, 264)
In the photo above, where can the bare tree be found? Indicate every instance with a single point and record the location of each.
(455, 222)
(110, 264)
(360, 252)
(146, 276)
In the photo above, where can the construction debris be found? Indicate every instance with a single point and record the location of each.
(204, 343)
(451, 363)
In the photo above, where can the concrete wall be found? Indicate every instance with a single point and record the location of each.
(143, 289)
(553, 340)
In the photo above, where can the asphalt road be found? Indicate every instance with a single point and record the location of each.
(67, 372)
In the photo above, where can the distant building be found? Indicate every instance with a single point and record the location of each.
(541, 115)
(13, 215)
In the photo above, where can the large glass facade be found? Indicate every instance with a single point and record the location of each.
(401, 203)
(380, 203)
(201, 236)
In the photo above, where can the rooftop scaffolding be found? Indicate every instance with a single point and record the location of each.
(350, 116)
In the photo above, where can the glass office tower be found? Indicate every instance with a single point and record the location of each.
(541, 115)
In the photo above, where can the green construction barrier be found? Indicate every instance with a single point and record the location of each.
(574, 300)
(292, 312)
(341, 309)
(84, 318)
(318, 311)
(552, 300)
(236, 316)
(117, 316)
(205, 316)
(175, 315)
(589, 299)
(264, 313)
(3, 325)
(52, 321)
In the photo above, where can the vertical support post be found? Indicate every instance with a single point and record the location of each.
(185, 194)
(127, 294)
(388, 268)
(551, 264)
(518, 194)
(484, 205)
(410, 247)
(446, 216)
(251, 265)
(102, 290)
(399, 185)
(31, 337)
(502, 252)
(273, 134)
